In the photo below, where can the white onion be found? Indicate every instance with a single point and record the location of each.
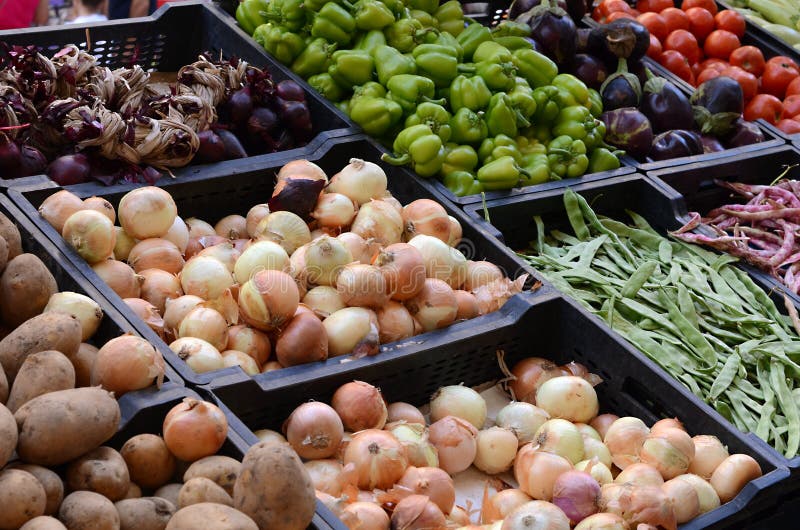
(231, 227)
(602, 422)
(404, 269)
(198, 354)
(441, 261)
(334, 210)
(362, 515)
(226, 252)
(497, 448)
(207, 324)
(178, 233)
(301, 168)
(147, 212)
(684, 499)
(123, 244)
(640, 474)
(400, 411)
(267, 435)
(603, 521)
(593, 448)
(325, 258)
(455, 231)
(455, 440)
(624, 438)
(86, 310)
(360, 180)
(360, 405)
(101, 205)
(460, 401)
(598, 470)
(379, 221)
(91, 234)
(324, 300)
(501, 504)
(254, 217)
(240, 359)
(260, 255)
(417, 512)
(706, 494)
(587, 431)
(352, 330)
(536, 515)
(199, 228)
(568, 397)
(523, 419)
(284, 228)
(562, 438)
(205, 277)
(708, 454)
(268, 300)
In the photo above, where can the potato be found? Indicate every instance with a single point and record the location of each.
(10, 233)
(102, 471)
(3, 385)
(150, 463)
(25, 287)
(169, 492)
(22, 498)
(221, 469)
(202, 489)
(50, 481)
(43, 522)
(61, 426)
(134, 491)
(147, 513)
(210, 516)
(51, 331)
(8, 435)
(40, 373)
(274, 488)
(3, 254)
(82, 362)
(87, 510)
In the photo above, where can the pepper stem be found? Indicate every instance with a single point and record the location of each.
(426, 99)
(401, 160)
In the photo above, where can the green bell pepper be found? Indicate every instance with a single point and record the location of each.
(537, 69)
(313, 6)
(326, 86)
(389, 62)
(522, 99)
(488, 146)
(334, 23)
(574, 121)
(469, 92)
(499, 76)
(472, 37)
(510, 28)
(343, 105)
(290, 14)
(462, 183)
(547, 108)
(376, 115)
(248, 15)
(425, 18)
(450, 16)
(372, 14)
(574, 91)
(397, 7)
(501, 117)
(595, 103)
(501, 174)
(468, 127)
(529, 146)
(369, 90)
(279, 42)
(370, 41)
(434, 116)
(514, 43)
(595, 135)
(351, 67)
(445, 39)
(491, 51)
(315, 59)
(567, 157)
(429, 6)
(418, 147)
(459, 158)
(411, 90)
(602, 159)
(405, 34)
(537, 167)
(438, 63)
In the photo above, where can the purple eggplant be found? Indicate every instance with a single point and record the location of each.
(621, 89)
(552, 27)
(676, 144)
(518, 7)
(665, 105)
(576, 9)
(743, 133)
(717, 104)
(622, 38)
(582, 40)
(629, 130)
(711, 144)
(590, 70)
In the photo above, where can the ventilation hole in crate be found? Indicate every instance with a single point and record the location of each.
(641, 394)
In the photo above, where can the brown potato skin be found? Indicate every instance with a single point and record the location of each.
(87, 510)
(202, 489)
(50, 481)
(169, 492)
(8, 435)
(25, 288)
(210, 516)
(10, 232)
(50, 331)
(43, 522)
(150, 463)
(22, 498)
(61, 426)
(146, 513)
(3, 385)
(274, 488)
(102, 471)
(221, 469)
(3, 254)
(40, 373)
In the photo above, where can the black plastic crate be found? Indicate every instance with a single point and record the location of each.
(213, 198)
(68, 278)
(172, 37)
(145, 413)
(532, 326)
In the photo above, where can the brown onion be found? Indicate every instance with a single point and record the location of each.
(455, 440)
(400, 411)
(194, 429)
(667, 423)
(57, 208)
(240, 359)
(284, 228)
(638, 504)
(362, 250)
(155, 253)
(602, 422)
(91, 234)
(352, 330)
(640, 474)
(207, 324)
(324, 300)
(733, 474)
(177, 308)
(669, 450)
(314, 430)
(178, 234)
(127, 363)
(379, 458)
(403, 268)
(432, 482)
(158, 286)
(424, 216)
(199, 228)
(326, 475)
(435, 306)
(102, 206)
(394, 322)
(120, 277)
(708, 454)
(147, 312)
(254, 217)
(232, 227)
(360, 180)
(271, 366)
(455, 232)
(360, 405)
(481, 273)
(624, 438)
(536, 472)
(303, 340)
(83, 361)
(334, 210)
(417, 512)
(250, 341)
(361, 515)
(414, 439)
(603, 521)
(362, 286)
(467, 305)
(268, 300)
(707, 495)
(147, 212)
(684, 499)
(206, 277)
(501, 504)
(224, 252)
(378, 220)
(198, 354)
(123, 244)
(268, 435)
(301, 168)
(196, 244)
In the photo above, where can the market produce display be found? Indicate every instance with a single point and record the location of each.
(545, 453)
(76, 120)
(481, 109)
(779, 17)
(366, 269)
(701, 319)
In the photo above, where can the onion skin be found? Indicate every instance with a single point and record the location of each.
(379, 458)
(414, 439)
(534, 515)
(403, 268)
(455, 440)
(435, 306)
(501, 504)
(361, 515)
(529, 374)
(194, 429)
(127, 363)
(314, 430)
(733, 474)
(360, 405)
(394, 322)
(195, 245)
(268, 300)
(177, 308)
(147, 212)
(536, 472)
(303, 340)
(708, 454)
(417, 512)
(325, 475)
(147, 312)
(400, 411)
(639, 504)
(432, 482)
(57, 208)
(120, 277)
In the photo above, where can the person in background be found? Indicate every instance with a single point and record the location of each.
(129, 8)
(87, 11)
(17, 14)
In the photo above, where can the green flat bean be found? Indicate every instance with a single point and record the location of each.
(686, 306)
(788, 406)
(638, 279)
(575, 215)
(725, 376)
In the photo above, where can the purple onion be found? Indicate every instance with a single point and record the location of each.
(70, 169)
(577, 493)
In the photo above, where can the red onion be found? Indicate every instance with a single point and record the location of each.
(577, 494)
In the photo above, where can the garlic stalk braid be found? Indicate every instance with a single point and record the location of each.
(176, 147)
(131, 90)
(100, 84)
(189, 109)
(43, 86)
(14, 110)
(74, 67)
(204, 79)
(7, 78)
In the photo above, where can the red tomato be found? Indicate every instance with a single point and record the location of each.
(616, 15)
(658, 5)
(655, 49)
(782, 59)
(764, 106)
(605, 8)
(654, 23)
(791, 106)
(777, 76)
(708, 73)
(675, 19)
(789, 126)
(720, 44)
(715, 64)
(708, 5)
(684, 42)
(701, 22)
(794, 87)
(748, 58)
(730, 20)
(675, 62)
(746, 80)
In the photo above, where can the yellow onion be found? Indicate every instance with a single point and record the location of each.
(708, 454)
(197, 244)
(101, 205)
(158, 286)
(361, 285)
(91, 234)
(455, 231)
(536, 471)
(270, 366)
(394, 322)
(403, 268)
(314, 430)
(360, 405)
(325, 259)
(201, 356)
(640, 474)
(199, 228)
(240, 359)
(568, 397)
(638, 504)
(435, 306)
(706, 494)
(535, 515)
(232, 227)
(603, 521)
(594, 448)
(225, 252)
(424, 216)
(624, 438)
(432, 482)
(362, 515)
(460, 401)
(250, 341)
(207, 324)
(178, 233)
(602, 422)
(284, 228)
(352, 330)
(501, 504)
(83, 361)
(684, 499)
(268, 300)
(667, 423)
(378, 220)
(127, 363)
(324, 300)
(301, 168)
(177, 308)
(334, 211)
(254, 217)
(261, 255)
(522, 419)
(560, 437)
(497, 448)
(123, 244)
(147, 312)
(414, 438)
(120, 277)
(455, 441)
(363, 251)
(441, 261)
(155, 253)
(669, 450)
(458, 516)
(378, 457)
(467, 305)
(587, 431)
(147, 212)
(360, 180)
(417, 512)
(733, 474)
(528, 375)
(206, 277)
(194, 429)
(400, 411)
(86, 310)
(598, 470)
(58, 207)
(481, 273)
(326, 475)
(302, 341)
